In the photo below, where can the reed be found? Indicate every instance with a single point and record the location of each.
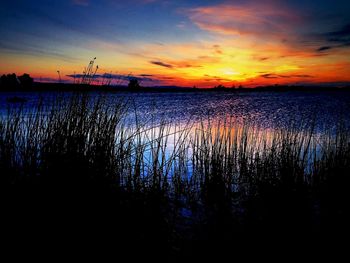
(84, 151)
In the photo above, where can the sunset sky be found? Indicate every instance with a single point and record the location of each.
(184, 43)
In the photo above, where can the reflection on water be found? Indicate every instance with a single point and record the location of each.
(182, 142)
(177, 119)
(265, 109)
(199, 147)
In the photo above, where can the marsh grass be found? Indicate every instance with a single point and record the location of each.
(81, 154)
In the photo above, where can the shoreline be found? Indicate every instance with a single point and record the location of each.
(65, 87)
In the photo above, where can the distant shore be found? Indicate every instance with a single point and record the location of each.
(38, 86)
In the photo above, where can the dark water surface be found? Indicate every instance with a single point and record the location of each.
(265, 109)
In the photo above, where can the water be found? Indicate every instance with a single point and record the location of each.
(265, 109)
(179, 153)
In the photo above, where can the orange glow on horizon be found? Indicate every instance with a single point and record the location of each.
(249, 45)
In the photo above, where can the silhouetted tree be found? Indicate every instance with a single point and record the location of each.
(25, 80)
(220, 87)
(2, 80)
(134, 83)
(9, 81)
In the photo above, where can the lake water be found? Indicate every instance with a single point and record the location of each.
(265, 109)
(185, 113)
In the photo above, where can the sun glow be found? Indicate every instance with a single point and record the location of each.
(229, 72)
(247, 43)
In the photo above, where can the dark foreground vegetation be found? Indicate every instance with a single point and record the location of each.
(77, 169)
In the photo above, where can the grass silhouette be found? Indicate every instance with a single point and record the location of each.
(78, 163)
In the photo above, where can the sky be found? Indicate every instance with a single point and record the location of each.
(177, 42)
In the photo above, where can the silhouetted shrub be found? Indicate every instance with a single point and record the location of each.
(134, 83)
(9, 81)
(220, 87)
(25, 80)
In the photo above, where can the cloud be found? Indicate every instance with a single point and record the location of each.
(146, 75)
(162, 64)
(217, 49)
(186, 64)
(215, 78)
(276, 76)
(260, 58)
(269, 76)
(335, 39)
(341, 35)
(263, 58)
(69, 29)
(324, 48)
(121, 77)
(34, 50)
(244, 19)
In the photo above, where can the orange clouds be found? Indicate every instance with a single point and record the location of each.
(256, 20)
(240, 42)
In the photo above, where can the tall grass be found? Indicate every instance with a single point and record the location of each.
(85, 147)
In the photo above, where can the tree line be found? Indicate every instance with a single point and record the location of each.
(12, 81)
